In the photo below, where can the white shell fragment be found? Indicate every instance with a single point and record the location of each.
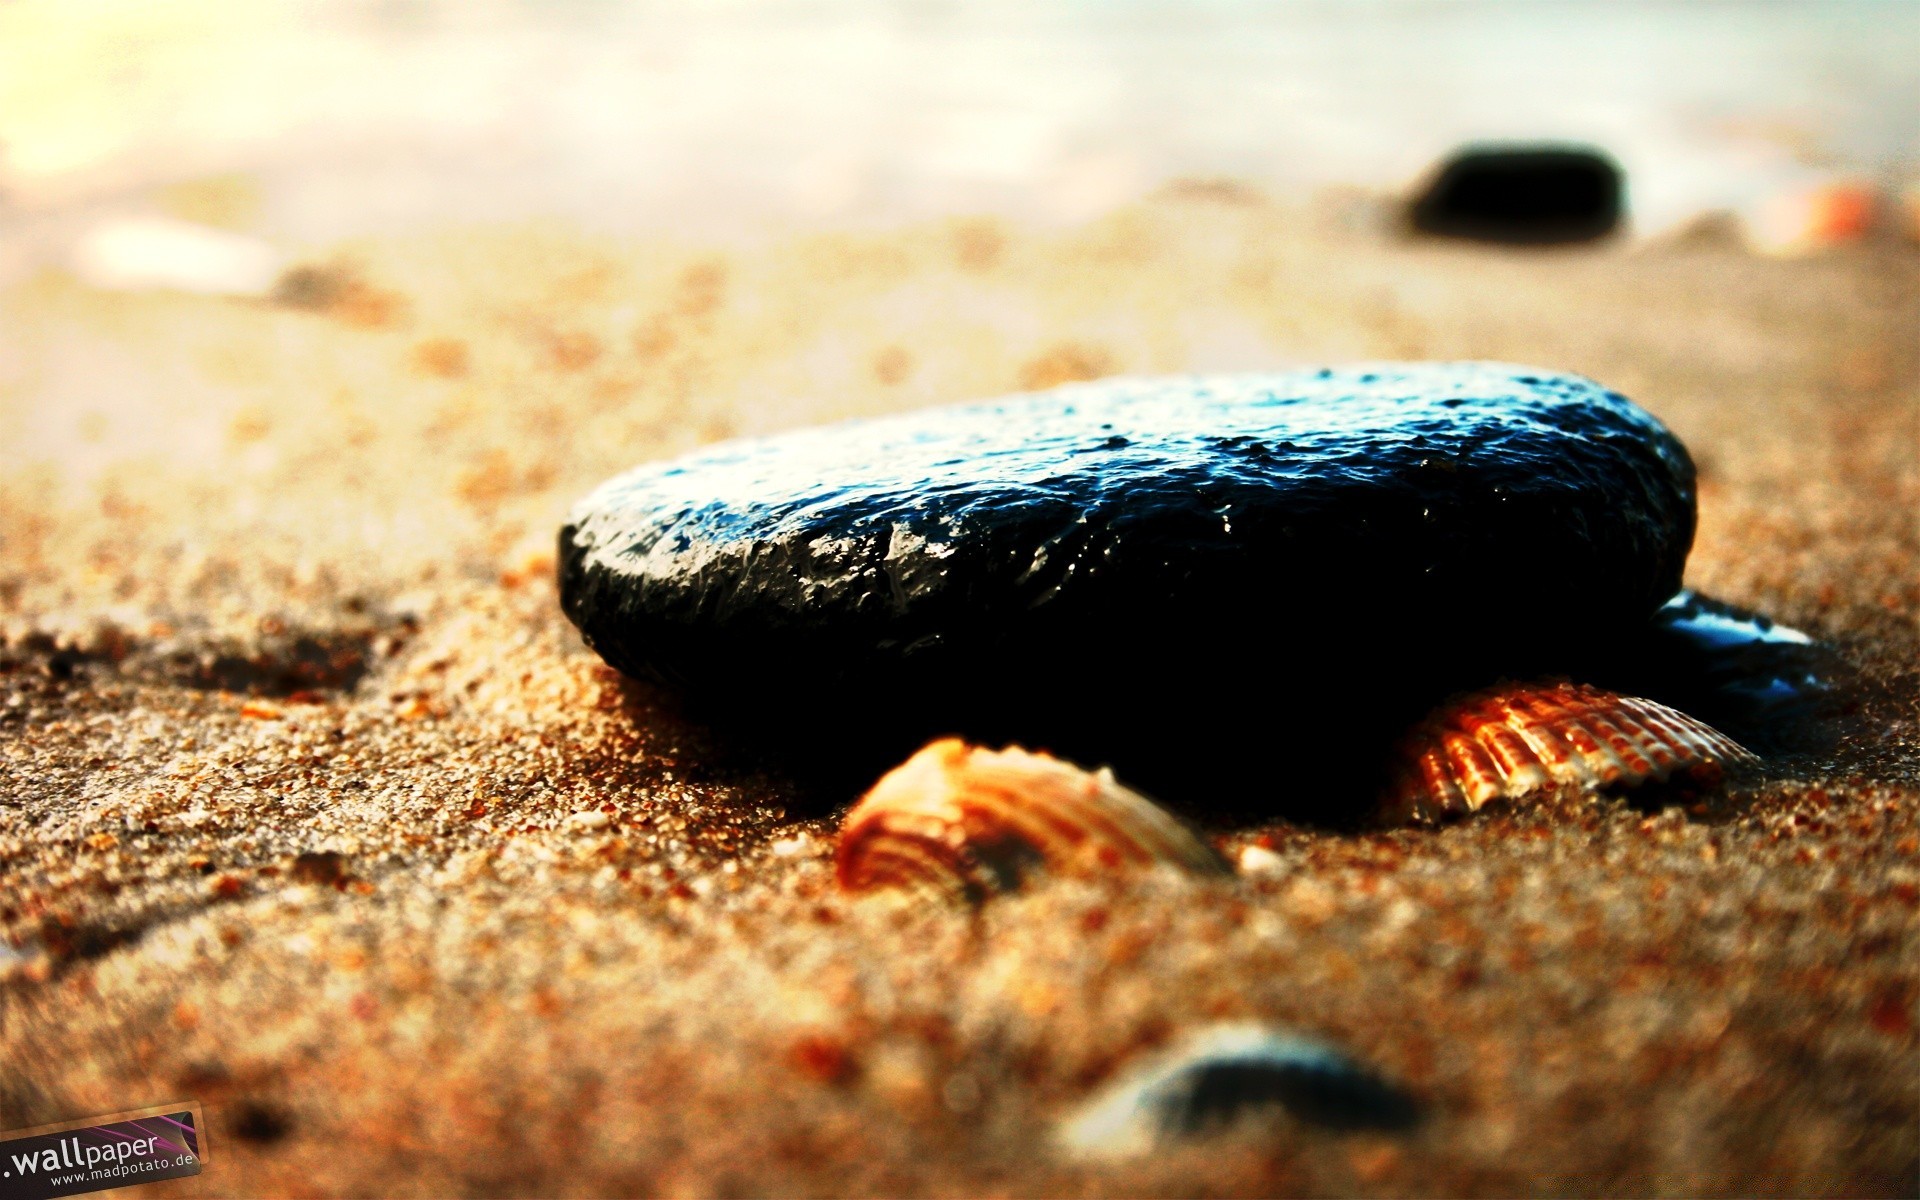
(1218, 1077)
(965, 821)
(1512, 739)
(142, 253)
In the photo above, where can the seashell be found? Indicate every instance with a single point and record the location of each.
(1809, 215)
(966, 821)
(1515, 738)
(141, 253)
(1226, 1074)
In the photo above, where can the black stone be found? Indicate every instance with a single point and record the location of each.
(1769, 686)
(1527, 195)
(1108, 569)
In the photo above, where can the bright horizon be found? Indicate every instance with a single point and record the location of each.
(344, 119)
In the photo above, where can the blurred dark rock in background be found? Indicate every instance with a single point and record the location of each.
(1522, 194)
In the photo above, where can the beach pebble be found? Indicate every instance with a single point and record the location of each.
(1258, 860)
(1135, 545)
(1737, 669)
(326, 867)
(1219, 1077)
(1521, 193)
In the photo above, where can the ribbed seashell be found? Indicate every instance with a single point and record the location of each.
(966, 821)
(1515, 738)
(1224, 1075)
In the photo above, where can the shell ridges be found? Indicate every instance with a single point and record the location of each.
(967, 822)
(1515, 738)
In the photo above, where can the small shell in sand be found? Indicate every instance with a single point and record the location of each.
(968, 822)
(1511, 739)
(1226, 1075)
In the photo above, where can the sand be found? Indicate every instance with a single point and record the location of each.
(314, 809)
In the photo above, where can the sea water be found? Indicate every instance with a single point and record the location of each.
(703, 117)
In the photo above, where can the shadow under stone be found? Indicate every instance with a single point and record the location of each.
(1238, 743)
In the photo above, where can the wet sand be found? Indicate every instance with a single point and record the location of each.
(301, 763)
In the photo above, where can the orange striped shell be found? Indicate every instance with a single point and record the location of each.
(968, 822)
(1511, 739)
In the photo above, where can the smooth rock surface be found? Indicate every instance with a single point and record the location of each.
(1097, 552)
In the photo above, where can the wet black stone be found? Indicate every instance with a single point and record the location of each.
(1523, 195)
(1109, 570)
(1767, 685)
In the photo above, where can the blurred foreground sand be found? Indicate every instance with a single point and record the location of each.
(276, 582)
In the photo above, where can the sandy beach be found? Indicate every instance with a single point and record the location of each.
(317, 812)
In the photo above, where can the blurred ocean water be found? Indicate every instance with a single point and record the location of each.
(702, 118)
